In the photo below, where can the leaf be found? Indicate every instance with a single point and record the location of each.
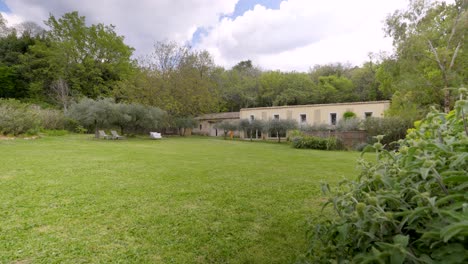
(454, 229)
(424, 172)
(401, 240)
(459, 178)
(462, 159)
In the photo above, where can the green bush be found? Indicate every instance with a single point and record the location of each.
(18, 118)
(394, 128)
(349, 124)
(349, 114)
(411, 206)
(308, 142)
(51, 118)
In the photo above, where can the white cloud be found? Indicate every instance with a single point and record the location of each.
(298, 35)
(12, 19)
(141, 22)
(302, 33)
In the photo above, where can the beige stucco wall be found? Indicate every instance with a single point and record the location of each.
(316, 114)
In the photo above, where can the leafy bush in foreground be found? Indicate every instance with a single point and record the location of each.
(411, 206)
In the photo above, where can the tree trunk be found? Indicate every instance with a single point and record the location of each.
(446, 99)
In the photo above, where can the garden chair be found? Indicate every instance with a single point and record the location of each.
(103, 135)
(115, 135)
(155, 135)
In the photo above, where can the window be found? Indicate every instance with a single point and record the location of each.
(333, 118)
(368, 114)
(200, 127)
(303, 118)
(276, 117)
(252, 117)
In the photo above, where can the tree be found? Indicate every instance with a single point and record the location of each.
(280, 127)
(182, 123)
(251, 127)
(429, 38)
(177, 79)
(4, 29)
(226, 126)
(13, 74)
(297, 88)
(91, 59)
(94, 113)
(61, 93)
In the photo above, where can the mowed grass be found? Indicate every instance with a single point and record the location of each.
(73, 199)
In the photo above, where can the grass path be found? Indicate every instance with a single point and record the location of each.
(72, 199)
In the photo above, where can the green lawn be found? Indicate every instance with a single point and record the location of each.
(73, 199)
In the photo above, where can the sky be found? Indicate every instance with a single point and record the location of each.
(287, 35)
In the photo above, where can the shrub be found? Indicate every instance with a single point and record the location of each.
(308, 142)
(408, 207)
(17, 118)
(313, 128)
(394, 128)
(51, 118)
(349, 115)
(349, 124)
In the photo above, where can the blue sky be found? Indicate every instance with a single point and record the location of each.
(289, 35)
(3, 6)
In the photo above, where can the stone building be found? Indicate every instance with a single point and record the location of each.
(317, 114)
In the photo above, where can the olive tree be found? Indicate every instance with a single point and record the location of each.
(226, 126)
(94, 113)
(182, 123)
(278, 127)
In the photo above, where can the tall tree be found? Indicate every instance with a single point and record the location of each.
(429, 37)
(91, 59)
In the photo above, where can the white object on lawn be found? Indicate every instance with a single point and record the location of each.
(155, 135)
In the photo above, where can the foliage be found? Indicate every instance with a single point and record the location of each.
(94, 114)
(429, 38)
(105, 113)
(309, 142)
(348, 124)
(349, 114)
(408, 207)
(226, 126)
(17, 118)
(280, 127)
(250, 127)
(51, 118)
(182, 123)
(394, 128)
(315, 127)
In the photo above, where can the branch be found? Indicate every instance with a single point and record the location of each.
(434, 51)
(454, 28)
(454, 56)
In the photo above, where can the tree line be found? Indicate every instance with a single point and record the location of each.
(71, 60)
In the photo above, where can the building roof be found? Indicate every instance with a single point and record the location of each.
(315, 105)
(219, 116)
